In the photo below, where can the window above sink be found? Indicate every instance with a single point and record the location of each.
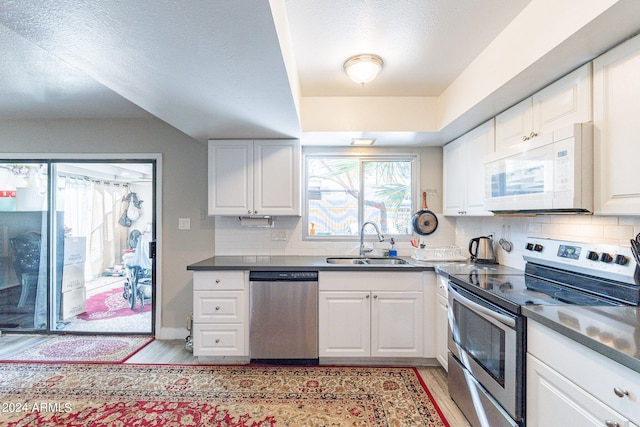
(344, 191)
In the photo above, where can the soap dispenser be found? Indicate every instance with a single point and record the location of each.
(392, 249)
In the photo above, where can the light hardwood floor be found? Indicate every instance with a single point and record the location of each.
(174, 352)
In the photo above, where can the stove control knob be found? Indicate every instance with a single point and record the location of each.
(605, 257)
(529, 246)
(621, 260)
(593, 256)
(538, 248)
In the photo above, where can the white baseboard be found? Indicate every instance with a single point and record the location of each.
(171, 333)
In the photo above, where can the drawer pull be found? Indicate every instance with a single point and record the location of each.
(217, 280)
(620, 392)
(217, 308)
(218, 341)
(610, 423)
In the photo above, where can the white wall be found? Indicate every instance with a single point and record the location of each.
(184, 189)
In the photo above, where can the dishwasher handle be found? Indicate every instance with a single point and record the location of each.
(283, 276)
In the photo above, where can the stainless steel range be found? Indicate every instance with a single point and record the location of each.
(487, 334)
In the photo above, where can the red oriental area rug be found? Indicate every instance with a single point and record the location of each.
(222, 396)
(82, 349)
(110, 304)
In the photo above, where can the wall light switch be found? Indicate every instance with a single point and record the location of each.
(184, 223)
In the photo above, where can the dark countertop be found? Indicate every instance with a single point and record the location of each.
(465, 268)
(613, 332)
(302, 263)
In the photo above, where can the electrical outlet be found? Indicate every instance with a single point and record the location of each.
(184, 223)
(278, 235)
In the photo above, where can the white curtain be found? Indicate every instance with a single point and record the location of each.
(92, 210)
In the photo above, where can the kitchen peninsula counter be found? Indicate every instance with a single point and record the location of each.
(613, 332)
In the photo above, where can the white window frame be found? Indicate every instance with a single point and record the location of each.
(414, 158)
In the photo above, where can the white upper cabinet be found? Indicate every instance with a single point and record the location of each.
(562, 103)
(259, 177)
(463, 168)
(616, 94)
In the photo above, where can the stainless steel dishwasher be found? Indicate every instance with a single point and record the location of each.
(283, 317)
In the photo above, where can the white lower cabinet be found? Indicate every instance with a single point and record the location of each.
(366, 314)
(345, 324)
(396, 324)
(442, 322)
(220, 313)
(571, 385)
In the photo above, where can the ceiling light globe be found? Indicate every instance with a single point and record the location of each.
(363, 68)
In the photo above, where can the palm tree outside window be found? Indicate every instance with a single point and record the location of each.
(343, 192)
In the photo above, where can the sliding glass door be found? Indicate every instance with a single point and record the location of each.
(96, 275)
(24, 231)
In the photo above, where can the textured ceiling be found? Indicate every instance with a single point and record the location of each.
(222, 68)
(211, 69)
(425, 44)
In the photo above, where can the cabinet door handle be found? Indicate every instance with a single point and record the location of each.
(367, 297)
(620, 392)
(533, 134)
(375, 297)
(249, 211)
(610, 423)
(525, 138)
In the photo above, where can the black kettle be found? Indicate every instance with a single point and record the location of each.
(481, 250)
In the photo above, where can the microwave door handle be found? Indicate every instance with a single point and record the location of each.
(474, 306)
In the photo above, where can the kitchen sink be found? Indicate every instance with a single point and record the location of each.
(366, 261)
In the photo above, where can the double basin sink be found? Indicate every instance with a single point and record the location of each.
(366, 261)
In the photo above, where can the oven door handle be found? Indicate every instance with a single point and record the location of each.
(481, 310)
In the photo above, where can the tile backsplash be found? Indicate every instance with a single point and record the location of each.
(284, 238)
(613, 230)
(232, 239)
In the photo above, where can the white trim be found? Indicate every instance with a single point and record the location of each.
(158, 236)
(81, 156)
(171, 333)
(411, 156)
(118, 157)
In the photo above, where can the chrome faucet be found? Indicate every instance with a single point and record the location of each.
(380, 237)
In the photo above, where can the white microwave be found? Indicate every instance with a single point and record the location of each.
(554, 176)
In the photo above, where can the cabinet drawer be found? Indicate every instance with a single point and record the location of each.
(217, 280)
(590, 370)
(554, 401)
(219, 340)
(218, 306)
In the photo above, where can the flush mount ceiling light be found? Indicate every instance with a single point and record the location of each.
(363, 141)
(363, 68)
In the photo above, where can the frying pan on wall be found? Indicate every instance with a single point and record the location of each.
(424, 221)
